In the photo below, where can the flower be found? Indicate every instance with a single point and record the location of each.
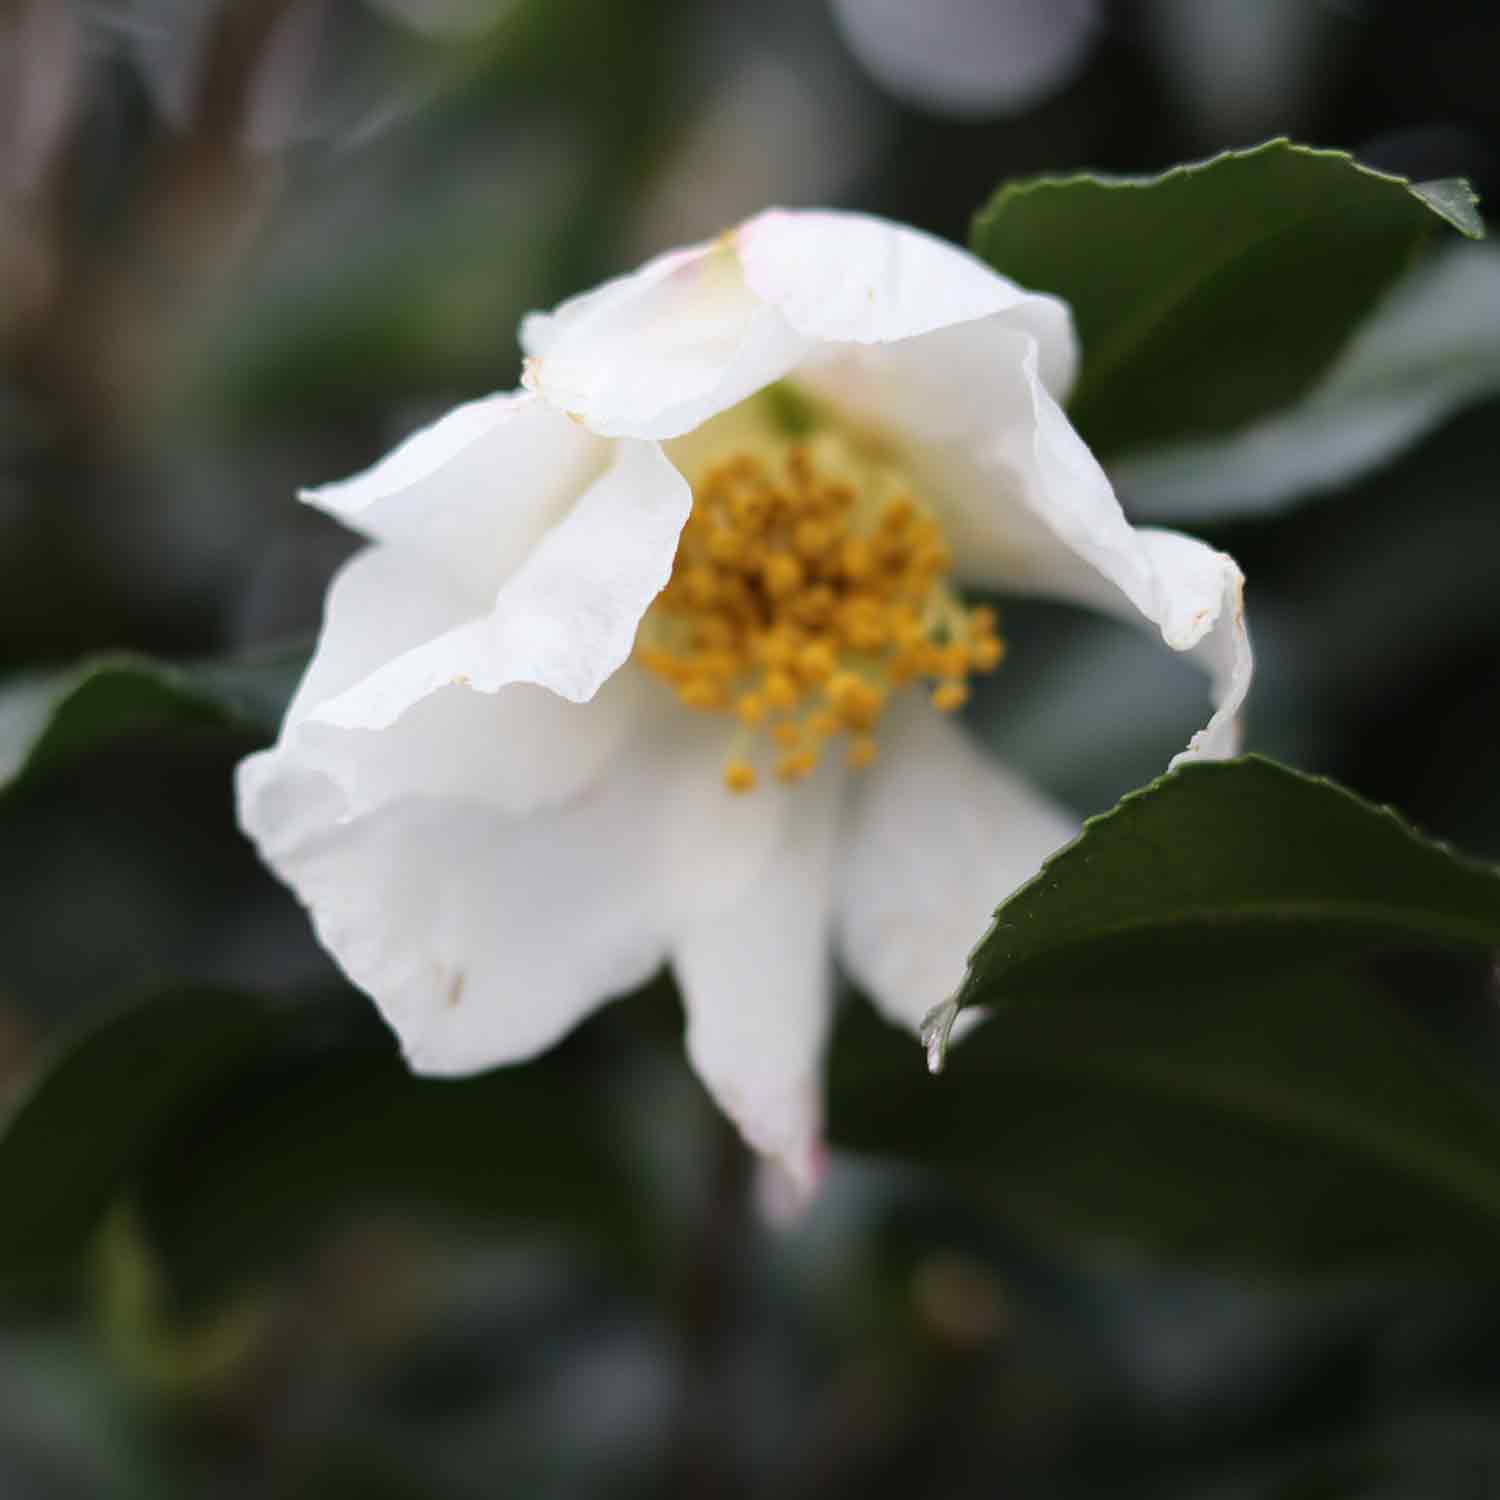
(649, 661)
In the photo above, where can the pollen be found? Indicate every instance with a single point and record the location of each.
(947, 697)
(797, 764)
(739, 776)
(811, 586)
(752, 709)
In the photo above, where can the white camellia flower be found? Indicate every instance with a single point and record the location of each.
(652, 661)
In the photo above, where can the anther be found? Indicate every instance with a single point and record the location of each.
(797, 764)
(702, 585)
(809, 585)
(783, 574)
(988, 652)
(751, 709)
(858, 703)
(947, 697)
(812, 538)
(897, 514)
(702, 692)
(781, 689)
(739, 776)
(953, 660)
(856, 558)
(817, 660)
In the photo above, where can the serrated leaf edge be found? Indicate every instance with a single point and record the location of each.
(1061, 857)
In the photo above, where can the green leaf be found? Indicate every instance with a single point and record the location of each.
(1292, 1124)
(243, 1130)
(1427, 352)
(1454, 200)
(77, 1135)
(49, 718)
(331, 1125)
(1174, 1056)
(1241, 863)
(1218, 291)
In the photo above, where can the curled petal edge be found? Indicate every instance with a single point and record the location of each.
(566, 619)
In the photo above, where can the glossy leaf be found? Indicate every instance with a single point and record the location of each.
(48, 718)
(1216, 292)
(1178, 1056)
(1245, 864)
(1428, 351)
(1289, 1124)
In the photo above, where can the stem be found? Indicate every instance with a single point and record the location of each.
(704, 1458)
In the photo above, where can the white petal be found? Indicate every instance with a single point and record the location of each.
(938, 837)
(485, 707)
(1206, 585)
(1026, 505)
(482, 938)
(566, 618)
(757, 984)
(475, 490)
(712, 846)
(517, 749)
(382, 602)
(692, 333)
(852, 278)
(654, 354)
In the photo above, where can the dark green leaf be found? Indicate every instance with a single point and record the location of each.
(1245, 863)
(1428, 351)
(1216, 292)
(48, 718)
(1174, 1059)
(1290, 1125)
(332, 1125)
(80, 1132)
(243, 1131)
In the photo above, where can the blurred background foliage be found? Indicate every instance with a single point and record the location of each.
(245, 244)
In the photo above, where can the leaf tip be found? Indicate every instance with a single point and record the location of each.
(1453, 200)
(935, 1030)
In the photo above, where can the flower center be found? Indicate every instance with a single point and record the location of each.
(810, 584)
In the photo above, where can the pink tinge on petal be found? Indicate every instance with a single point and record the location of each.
(785, 1189)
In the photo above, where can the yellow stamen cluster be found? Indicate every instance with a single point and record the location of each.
(810, 584)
